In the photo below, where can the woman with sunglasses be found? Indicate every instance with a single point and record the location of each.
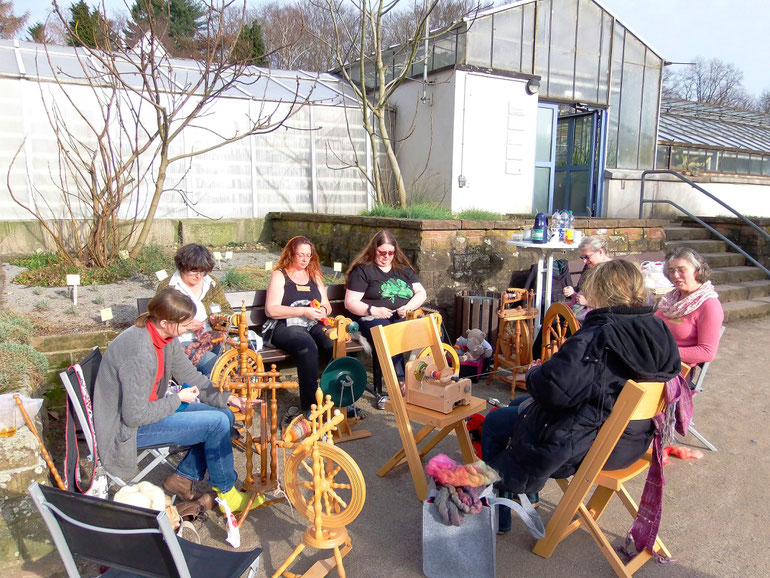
(382, 286)
(194, 263)
(293, 323)
(593, 251)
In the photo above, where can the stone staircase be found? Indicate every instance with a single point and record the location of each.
(743, 289)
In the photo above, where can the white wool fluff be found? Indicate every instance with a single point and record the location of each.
(143, 495)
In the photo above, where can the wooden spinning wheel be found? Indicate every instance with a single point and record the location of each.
(559, 323)
(451, 356)
(516, 343)
(341, 485)
(232, 363)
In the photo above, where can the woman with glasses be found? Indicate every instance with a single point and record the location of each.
(193, 265)
(293, 323)
(593, 251)
(382, 286)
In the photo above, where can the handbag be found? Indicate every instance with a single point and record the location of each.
(469, 550)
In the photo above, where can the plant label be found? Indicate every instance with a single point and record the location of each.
(106, 314)
(228, 255)
(161, 274)
(268, 265)
(217, 255)
(123, 254)
(73, 280)
(337, 267)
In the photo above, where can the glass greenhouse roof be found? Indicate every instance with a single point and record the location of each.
(20, 59)
(711, 126)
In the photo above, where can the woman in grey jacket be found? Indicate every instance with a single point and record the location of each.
(134, 408)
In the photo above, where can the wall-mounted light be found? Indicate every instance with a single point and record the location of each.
(533, 86)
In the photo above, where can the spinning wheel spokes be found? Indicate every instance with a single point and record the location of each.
(342, 489)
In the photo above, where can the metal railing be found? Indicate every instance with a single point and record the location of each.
(643, 201)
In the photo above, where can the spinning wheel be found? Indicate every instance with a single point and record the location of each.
(233, 363)
(344, 381)
(342, 485)
(517, 347)
(559, 323)
(452, 359)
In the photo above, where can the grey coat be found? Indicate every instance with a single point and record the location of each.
(122, 394)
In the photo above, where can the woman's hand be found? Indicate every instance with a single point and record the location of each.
(239, 403)
(381, 312)
(402, 311)
(582, 300)
(188, 394)
(312, 313)
(568, 291)
(195, 325)
(535, 363)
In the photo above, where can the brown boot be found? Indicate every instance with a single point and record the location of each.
(182, 487)
(207, 500)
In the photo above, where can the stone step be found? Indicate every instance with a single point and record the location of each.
(686, 233)
(741, 291)
(700, 245)
(724, 259)
(735, 310)
(734, 275)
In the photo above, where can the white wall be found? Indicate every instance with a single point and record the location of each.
(425, 136)
(495, 131)
(749, 196)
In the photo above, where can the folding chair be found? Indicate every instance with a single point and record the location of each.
(131, 541)
(404, 337)
(79, 394)
(697, 385)
(636, 401)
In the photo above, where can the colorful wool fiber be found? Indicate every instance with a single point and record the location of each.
(446, 471)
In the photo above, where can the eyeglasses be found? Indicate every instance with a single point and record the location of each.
(385, 253)
(200, 273)
(586, 257)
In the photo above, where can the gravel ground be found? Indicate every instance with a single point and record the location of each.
(55, 313)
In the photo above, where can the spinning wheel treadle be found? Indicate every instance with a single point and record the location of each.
(342, 490)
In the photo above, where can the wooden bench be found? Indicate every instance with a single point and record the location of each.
(256, 316)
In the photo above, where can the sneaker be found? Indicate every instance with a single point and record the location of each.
(381, 400)
(290, 414)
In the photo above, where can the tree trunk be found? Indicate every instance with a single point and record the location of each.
(159, 184)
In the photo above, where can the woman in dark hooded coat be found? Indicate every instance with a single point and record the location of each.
(573, 393)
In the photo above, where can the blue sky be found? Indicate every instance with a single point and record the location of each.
(735, 31)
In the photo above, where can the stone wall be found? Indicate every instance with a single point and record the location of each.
(64, 350)
(745, 236)
(455, 255)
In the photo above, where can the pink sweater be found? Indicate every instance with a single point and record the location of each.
(697, 333)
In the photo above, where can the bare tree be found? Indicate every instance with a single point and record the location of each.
(138, 106)
(763, 101)
(10, 24)
(712, 81)
(398, 24)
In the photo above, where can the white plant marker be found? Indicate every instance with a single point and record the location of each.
(123, 254)
(106, 314)
(268, 265)
(161, 274)
(228, 255)
(337, 268)
(73, 281)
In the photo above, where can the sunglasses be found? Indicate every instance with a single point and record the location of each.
(385, 253)
(586, 257)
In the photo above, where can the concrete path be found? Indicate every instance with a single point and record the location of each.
(715, 513)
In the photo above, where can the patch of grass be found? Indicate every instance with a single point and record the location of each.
(429, 211)
(71, 310)
(246, 278)
(234, 279)
(98, 299)
(154, 258)
(14, 328)
(35, 260)
(18, 359)
(42, 305)
(37, 291)
(481, 215)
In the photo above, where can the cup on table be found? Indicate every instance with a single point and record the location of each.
(577, 236)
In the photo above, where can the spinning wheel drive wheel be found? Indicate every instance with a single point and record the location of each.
(452, 359)
(342, 485)
(228, 366)
(516, 352)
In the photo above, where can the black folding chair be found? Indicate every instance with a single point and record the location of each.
(131, 541)
(80, 392)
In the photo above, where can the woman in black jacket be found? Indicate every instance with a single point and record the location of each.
(572, 394)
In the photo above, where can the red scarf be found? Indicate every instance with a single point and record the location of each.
(158, 342)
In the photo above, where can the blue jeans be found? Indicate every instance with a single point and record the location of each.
(398, 360)
(495, 435)
(206, 429)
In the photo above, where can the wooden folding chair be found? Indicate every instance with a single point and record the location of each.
(636, 401)
(404, 337)
(557, 321)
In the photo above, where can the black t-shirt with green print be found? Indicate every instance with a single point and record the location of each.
(392, 289)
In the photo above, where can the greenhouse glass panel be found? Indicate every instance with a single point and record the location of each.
(631, 102)
(588, 52)
(661, 161)
(648, 132)
(545, 118)
(678, 158)
(614, 111)
(604, 59)
(444, 51)
(562, 144)
(578, 196)
(766, 166)
(559, 189)
(542, 46)
(755, 165)
(528, 38)
(742, 163)
(696, 159)
(561, 67)
(542, 186)
(727, 163)
(480, 43)
(506, 47)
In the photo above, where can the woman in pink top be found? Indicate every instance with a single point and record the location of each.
(691, 310)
